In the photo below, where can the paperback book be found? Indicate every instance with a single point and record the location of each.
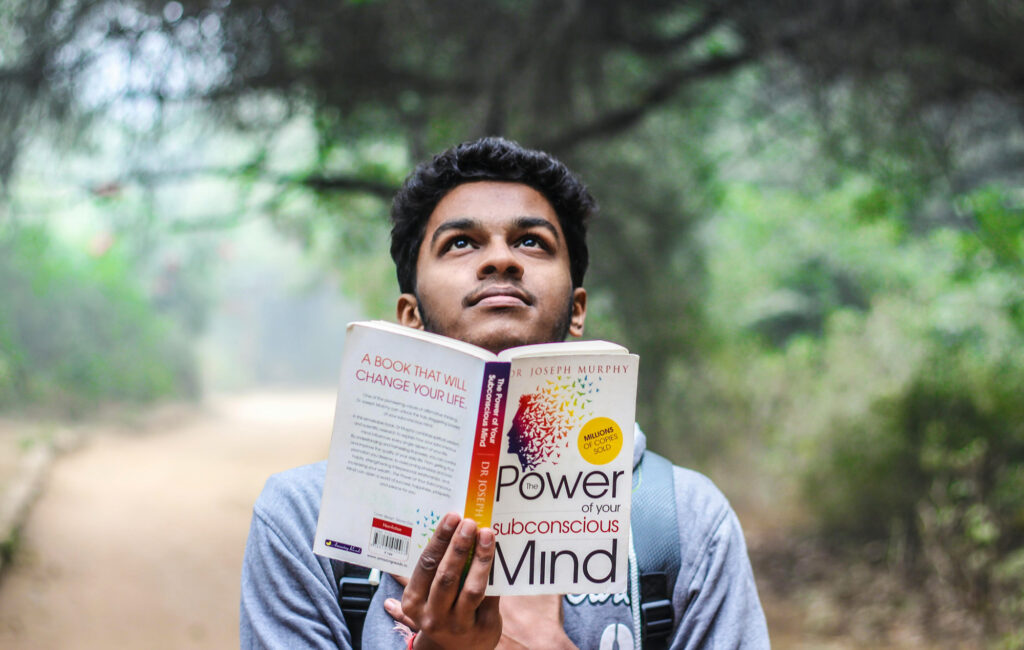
(535, 442)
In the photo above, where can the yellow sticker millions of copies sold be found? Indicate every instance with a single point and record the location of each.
(600, 441)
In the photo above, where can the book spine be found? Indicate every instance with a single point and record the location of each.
(483, 468)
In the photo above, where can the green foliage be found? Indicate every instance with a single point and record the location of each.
(999, 227)
(787, 261)
(942, 458)
(358, 247)
(647, 267)
(815, 292)
(76, 332)
(936, 454)
(953, 434)
(884, 367)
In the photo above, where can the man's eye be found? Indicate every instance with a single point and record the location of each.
(458, 242)
(531, 242)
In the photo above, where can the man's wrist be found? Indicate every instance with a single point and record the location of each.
(419, 641)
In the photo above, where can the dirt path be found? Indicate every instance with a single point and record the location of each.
(138, 539)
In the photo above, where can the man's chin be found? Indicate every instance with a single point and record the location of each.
(494, 334)
(497, 339)
(496, 342)
(497, 330)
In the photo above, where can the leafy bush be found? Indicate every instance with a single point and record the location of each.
(943, 459)
(77, 331)
(884, 366)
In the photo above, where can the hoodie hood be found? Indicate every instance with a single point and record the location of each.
(639, 445)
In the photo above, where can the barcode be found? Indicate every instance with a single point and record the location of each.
(389, 542)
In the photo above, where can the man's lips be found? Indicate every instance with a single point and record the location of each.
(499, 296)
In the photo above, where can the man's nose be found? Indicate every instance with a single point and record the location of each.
(499, 259)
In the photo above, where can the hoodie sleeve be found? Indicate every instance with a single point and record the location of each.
(288, 597)
(715, 597)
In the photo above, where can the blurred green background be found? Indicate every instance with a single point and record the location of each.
(811, 230)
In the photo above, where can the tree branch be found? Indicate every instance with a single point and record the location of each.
(322, 183)
(618, 120)
(653, 45)
(316, 182)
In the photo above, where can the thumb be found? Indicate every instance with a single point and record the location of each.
(394, 608)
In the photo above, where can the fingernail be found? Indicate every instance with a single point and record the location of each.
(486, 538)
(390, 604)
(468, 528)
(450, 521)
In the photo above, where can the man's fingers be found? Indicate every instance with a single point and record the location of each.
(445, 614)
(472, 594)
(415, 594)
(445, 588)
(489, 612)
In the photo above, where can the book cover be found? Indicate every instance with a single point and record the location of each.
(536, 442)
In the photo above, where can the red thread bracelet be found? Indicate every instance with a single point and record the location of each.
(411, 639)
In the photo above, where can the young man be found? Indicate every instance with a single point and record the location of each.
(489, 244)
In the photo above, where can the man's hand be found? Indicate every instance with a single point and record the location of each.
(526, 621)
(445, 615)
(521, 621)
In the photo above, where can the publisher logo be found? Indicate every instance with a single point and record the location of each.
(600, 441)
(342, 546)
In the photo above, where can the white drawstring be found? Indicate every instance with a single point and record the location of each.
(634, 592)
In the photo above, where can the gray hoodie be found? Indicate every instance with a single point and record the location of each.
(290, 598)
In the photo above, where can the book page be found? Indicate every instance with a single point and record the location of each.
(562, 499)
(455, 344)
(399, 457)
(561, 349)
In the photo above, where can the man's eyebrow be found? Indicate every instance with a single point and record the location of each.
(454, 224)
(525, 223)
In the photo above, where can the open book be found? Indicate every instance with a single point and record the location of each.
(536, 442)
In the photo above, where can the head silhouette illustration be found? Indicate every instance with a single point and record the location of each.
(544, 420)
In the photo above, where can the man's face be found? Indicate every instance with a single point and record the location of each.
(493, 270)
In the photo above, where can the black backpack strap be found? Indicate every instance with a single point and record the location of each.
(355, 591)
(654, 522)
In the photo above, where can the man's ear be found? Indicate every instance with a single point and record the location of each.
(408, 311)
(579, 311)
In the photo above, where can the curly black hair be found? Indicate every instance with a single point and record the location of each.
(488, 159)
